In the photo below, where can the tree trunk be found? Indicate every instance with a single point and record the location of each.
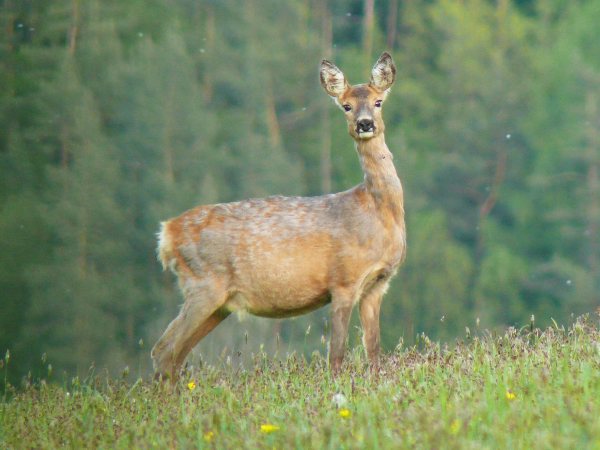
(593, 182)
(392, 24)
(207, 84)
(74, 30)
(368, 26)
(272, 121)
(168, 138)
(326, 38)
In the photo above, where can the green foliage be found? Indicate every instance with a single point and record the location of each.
(433, 288)
(80, 210)
(117, 115)
(533, 389)
(499, 287)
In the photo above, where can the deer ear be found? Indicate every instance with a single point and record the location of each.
(383, 73)
(332, 79)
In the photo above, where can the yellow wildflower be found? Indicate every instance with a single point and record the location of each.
(510, 395)
(268, 428)
(359, 436)
(208, 436)
(344, 413)
(191, 385)
(455, 426)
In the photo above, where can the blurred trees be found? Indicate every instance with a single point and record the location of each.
(116, 115)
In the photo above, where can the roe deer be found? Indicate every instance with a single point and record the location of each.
(285, 256)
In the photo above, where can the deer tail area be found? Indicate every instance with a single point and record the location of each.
(165, 250)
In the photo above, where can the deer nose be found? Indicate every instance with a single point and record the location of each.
(365, 125)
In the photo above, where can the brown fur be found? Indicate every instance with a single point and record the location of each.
(284, 256)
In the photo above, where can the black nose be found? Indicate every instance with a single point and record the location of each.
(364, 125)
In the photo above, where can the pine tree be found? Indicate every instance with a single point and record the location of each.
(73, 294)
(564, 182)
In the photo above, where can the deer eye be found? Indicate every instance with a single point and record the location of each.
(347, 107)
(378, 103)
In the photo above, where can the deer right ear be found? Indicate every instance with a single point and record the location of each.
(332, 79)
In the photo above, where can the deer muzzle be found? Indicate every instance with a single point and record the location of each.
(365, 128)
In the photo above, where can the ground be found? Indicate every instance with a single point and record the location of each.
(525, 388)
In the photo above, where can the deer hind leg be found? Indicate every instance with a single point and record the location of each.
(209, 324)
(198, 316)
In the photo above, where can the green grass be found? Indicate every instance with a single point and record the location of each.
(522, 389)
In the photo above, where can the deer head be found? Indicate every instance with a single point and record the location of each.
(361, 103)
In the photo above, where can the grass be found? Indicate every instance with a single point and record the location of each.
(523, 389)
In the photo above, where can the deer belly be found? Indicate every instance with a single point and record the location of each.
(275, 308)
(283, 281)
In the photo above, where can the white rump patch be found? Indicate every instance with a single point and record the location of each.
(165, 248)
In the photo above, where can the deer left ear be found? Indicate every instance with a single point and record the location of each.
(383, 73)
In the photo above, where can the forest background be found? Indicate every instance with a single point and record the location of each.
(116, 115)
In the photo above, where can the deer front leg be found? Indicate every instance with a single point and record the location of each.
(369, 307)
(341, 309)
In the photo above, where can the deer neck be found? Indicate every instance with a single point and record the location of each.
(381, 180)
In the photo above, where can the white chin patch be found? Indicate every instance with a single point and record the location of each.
(365, 134)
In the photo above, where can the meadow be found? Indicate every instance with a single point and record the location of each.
(526, 388)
